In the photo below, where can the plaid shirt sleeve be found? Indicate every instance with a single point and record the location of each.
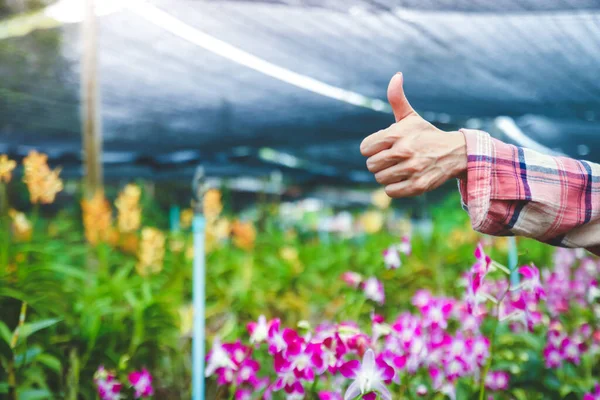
(511, 190)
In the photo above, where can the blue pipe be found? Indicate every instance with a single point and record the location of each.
(199, 301)
(513, 259)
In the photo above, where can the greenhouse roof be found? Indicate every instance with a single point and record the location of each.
(244, 87)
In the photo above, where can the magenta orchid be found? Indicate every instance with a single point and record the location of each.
(141, 381)
(497, 380)
(352, 279)
(259, 331)
(531, 281)
(595, 395)
(109, 388)
(218, 357)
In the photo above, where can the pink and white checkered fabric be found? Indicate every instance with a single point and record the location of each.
(511, 190)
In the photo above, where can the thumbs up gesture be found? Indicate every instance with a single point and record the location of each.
(412, 156)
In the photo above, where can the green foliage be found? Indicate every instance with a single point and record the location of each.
(88, 306)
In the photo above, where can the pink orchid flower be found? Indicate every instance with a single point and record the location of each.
(497, 380)
(373, 290)
(352, 279)
(109, 388)
(369, 377)
(218, 357)
(329, 396)
(142, 383)
(595, 395)
(391, 258)
(531, 281)
(405, 246)
(483, 261)
(259, 331)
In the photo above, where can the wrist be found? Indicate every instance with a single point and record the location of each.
(458, 149)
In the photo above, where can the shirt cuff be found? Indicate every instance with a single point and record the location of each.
(476, 189)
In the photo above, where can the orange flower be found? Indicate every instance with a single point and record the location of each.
(97, 218)
(151, 252)
(42, 182)
(186, 217)
(21, 227)
(244, 235)
(128, 242)
(212, 204)
(6, 168)
(130, 213)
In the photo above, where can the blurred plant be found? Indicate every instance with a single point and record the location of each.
(212, 204)
(97, 220)
(186, 217)
(42, 182)
(151, 253)
(244, 235)
(129, 212)
(22, 228)
(371, 221)
(6, 168)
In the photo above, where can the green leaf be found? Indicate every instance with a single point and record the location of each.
(5, 333)
(4, 387)
(34, 394)
(50, 361)
(28, 357)
(29, 329)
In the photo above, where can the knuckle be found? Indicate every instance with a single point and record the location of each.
(380, 178)
(391, 192)
(403, 152)
(421, 185)
(363, 147)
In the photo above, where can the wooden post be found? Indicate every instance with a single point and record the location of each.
(90, 97)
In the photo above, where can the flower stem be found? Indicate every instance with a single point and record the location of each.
(233, 390)
(492, 340)
(313, 388)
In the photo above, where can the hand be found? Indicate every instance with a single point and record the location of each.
(412, 156)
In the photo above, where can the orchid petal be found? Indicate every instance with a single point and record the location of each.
(369, 360)
(349, 368)
(383, 391)
(353, 391)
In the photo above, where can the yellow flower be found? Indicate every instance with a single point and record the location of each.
(186, 318)
(244, 235)
(189, 252)
(151, 252)
(35, 162)
(222, 228)
(212, 205)
(380, 199)
(130, 213)
(289, 254)
(97, 218)
(371, 221)
(186, 217)
(176, 244)
(42, 182)
(6, 168)
(21, 227)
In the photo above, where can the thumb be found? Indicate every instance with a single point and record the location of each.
(397, 98)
